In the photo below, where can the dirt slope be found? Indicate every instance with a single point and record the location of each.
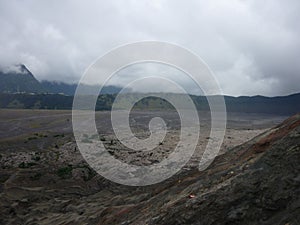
(256, 183)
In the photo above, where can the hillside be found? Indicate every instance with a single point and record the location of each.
(19, 79)
(20, 89)
(255, 183)
(285, 105)
(69, 89)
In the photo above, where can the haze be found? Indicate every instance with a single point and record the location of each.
(251, 46)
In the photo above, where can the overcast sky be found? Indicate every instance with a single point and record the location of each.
(253, 47)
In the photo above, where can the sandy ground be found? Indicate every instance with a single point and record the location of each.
(45, 180)
(25, 133)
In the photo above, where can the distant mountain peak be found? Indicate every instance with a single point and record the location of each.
(17, 78)
(22, 69)
(17, 69)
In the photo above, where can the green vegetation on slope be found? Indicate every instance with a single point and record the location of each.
(286, 105)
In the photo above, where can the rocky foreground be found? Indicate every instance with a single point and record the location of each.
(255, 183)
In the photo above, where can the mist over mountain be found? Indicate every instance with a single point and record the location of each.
(18, 79)
(57, 87)
(20, 89)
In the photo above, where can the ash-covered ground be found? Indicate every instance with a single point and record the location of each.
(45, 180)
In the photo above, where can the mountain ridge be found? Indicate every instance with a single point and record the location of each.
(19, 79)
(22, 90)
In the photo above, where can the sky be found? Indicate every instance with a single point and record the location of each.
(252, 47)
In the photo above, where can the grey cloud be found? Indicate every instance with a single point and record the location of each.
(253, 47)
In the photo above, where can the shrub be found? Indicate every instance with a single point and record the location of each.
(26, 165)
(36, 176)
(65, 172)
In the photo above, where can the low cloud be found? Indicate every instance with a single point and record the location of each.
(253, 47)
